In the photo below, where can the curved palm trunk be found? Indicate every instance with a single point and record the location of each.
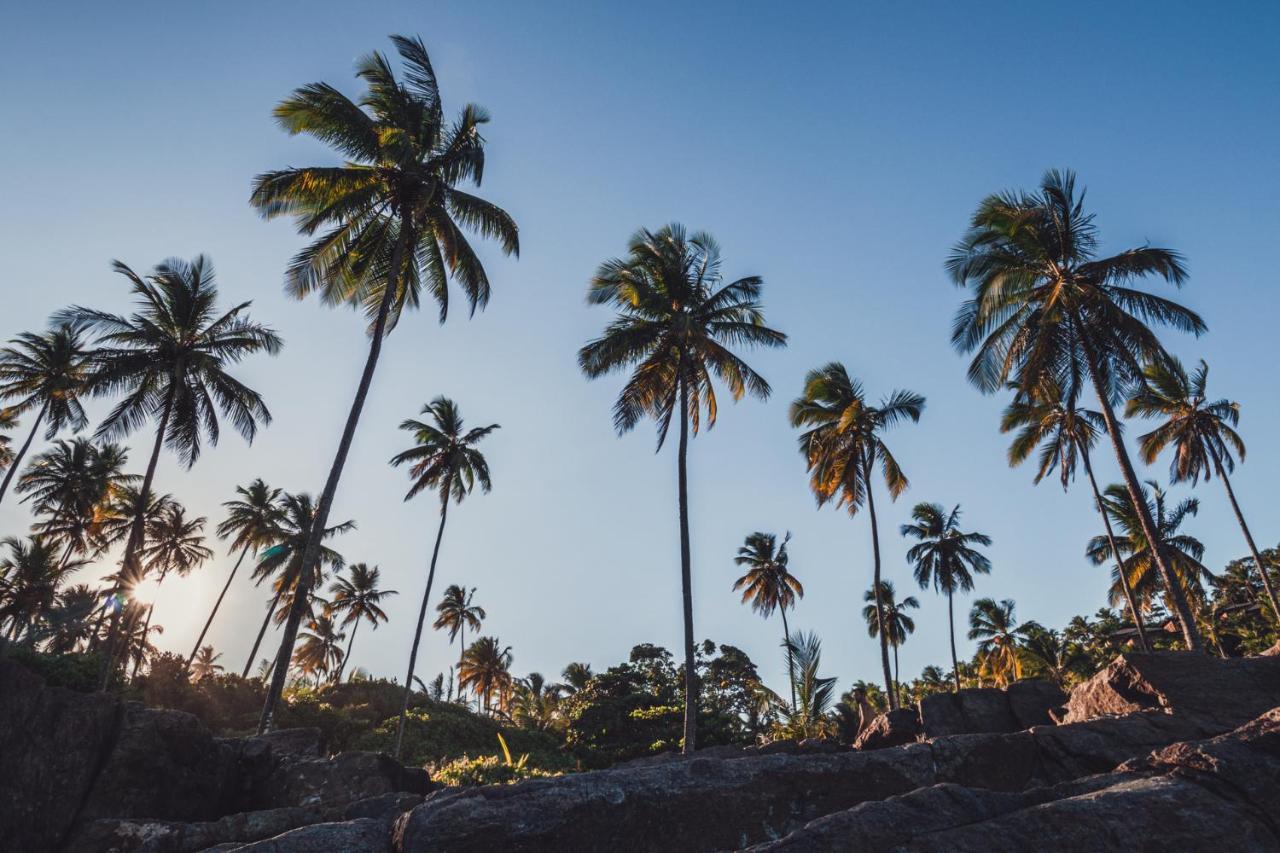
(311, 554)
(342, 664)
(422, 617)
(253, 653)
(791, 664)
(1115, 552)
(1248, 537)
(686, 583)
(22, 451)
(875, 554)
(951, 629)
(1173, 590)
(216, 605)
(897, 681)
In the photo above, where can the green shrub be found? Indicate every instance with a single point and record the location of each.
(486, 770)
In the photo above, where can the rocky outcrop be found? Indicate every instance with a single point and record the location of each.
(895, 728)
(977, 710)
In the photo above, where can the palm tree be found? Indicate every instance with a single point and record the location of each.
(769, 585)
(814, 694)
(358, 597)
(8, 420)
(1201, 434)
(204, 664)
(444, 460)
(536, 703)
(174, 544)
(1045, 307)
(250, 525)
(842, 445)
(1134, 558)
(676, 320)
(897, 624)
(946, 557)
(486, 669)
(320, 648)
(281, 558)
(1065, 433)
(30, 575)
(70, 624)
(576, 676)
(998, 633)
(455, 612)
(1057, 655)
(44, 374)
(170, 359)
(390, 219)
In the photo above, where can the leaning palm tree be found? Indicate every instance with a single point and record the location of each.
(31, 573)
(170, 359)
(1044, 307)
(486, 669)
(444, 460)
(676, 320)
(998, 634)
(456, 613)
(1065, 433)
(1201, 433)
(320, 648)
(44, 374)
(250, 525)
(842, 444)
(204, 664)
(390, 218)
(946, 557)
(769, 585)
(355, 598)
(898, 625)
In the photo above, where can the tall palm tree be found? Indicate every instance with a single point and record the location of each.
(1065, 433)
(1182, 551)
(204, 664)
(1201, 433)
(390, 218)
(898, 625)
(1056, 655)
(170, 359)
(174, 544)
(70, 624)
(444, 460)
(842, 444)
(69, 486)
(358, 597)
(675, 323)
(946, 557)
(769, 585)
(30, 576)
(486, 669)
(281, 558)
(998, 634)
(1043, 307)
(44, 374)
(456, 613)
(250, 525)
(320, 648)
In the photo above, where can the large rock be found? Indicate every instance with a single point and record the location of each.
(977, 710)
(337, 781)
(363, 835)
(895, 728)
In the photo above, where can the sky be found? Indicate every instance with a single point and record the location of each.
(834, 149)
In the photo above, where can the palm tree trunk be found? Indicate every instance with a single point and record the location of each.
(951, 629)
(22, 451)
(253, 653)
(875, 554)
(686, 581)
(142, 645)
(311, 554)
(1248, 537)
(1173, 589)
(216, 605)
(791, 665)
(462, 650)
(1115, 552)
(422, 618)
(342, 664)
(897, 681)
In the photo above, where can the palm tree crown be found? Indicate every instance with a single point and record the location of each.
(998, 633)
(444, 457)
(175, 543)
(944, 555)
(358, 597)
(252, 518)
(1051, 420)
(456, 613)
(768, 584)
(898, 624)
(486, 669)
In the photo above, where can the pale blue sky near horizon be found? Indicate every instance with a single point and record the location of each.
(835, 149)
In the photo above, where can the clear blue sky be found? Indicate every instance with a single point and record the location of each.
(835, 150)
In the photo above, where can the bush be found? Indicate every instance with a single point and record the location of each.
(486, 770)
(74, 671)
(439, 732)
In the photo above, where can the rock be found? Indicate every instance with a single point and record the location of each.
(365, 835)
(337, 781)
(113, 835)
(1035, 702)
(382, 807)
(300, 742)
(890, 729)
(700, 804)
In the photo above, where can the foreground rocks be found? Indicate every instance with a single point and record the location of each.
(1021, 705)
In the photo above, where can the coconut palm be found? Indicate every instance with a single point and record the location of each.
(1044, 307)
(946, 557)
(576, 676)
(842, 444)
(358, 597)
(1182, 551)
(69, 486)
(281, 560)
(998, 634)
(250, 525)
(69, 625)
(390, 218)
(535, 703)
(170, 359)
(486, 669)
(204, 664)
(456, 613)
(769, 585)
(444, 460)
(1201, 433)
(319, 648)
(44, 374)
(8, 420)
(814, 694)
(676, 319)
(1065, 433)
(174, 544)
(1056, 655)
(897, 623)
(31, 573)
